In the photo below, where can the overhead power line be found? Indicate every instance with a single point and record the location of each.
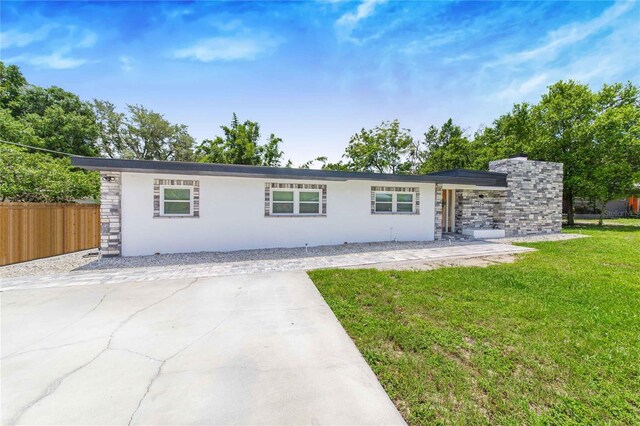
(39, 149)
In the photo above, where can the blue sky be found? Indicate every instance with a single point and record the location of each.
(316, 72)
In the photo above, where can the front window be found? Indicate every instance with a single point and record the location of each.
(384, 202)
(404, 203)
(295, 202)
(395, 202)
(176, 201)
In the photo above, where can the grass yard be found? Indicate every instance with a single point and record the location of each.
(620, 221)
(551, 338)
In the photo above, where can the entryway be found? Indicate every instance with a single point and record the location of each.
(448, 210)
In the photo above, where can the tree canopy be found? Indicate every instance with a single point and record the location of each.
(140, 134)
(383, 149)
(36, 177)
(240, 144)
(50, 118)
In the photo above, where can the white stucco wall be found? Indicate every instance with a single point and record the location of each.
(232, 217)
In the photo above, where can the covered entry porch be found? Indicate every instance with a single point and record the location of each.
(478, 213)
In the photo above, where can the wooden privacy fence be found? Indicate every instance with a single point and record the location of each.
(35, 230)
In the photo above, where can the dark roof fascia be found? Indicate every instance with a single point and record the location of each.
(235, 170)
(466, 172)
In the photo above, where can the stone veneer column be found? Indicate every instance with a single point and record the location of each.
(437, 229)
(533, 202)
(110, 214)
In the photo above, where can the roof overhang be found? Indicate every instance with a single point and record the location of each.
(233, 170)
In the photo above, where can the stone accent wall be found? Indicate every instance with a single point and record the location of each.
(375, 189)
(437, 229)
(110, 213)
(533, 202)
(195, 184)
(479, 209)
(267, 196)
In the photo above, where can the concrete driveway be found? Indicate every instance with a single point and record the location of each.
(243, 349)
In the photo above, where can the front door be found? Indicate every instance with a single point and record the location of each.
(448, 210)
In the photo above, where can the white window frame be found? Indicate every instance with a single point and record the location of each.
(296, 201)
(189, 187)
(394, 202)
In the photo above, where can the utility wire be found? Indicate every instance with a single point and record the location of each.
(40, 149)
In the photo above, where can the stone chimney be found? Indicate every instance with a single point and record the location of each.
(533, 203)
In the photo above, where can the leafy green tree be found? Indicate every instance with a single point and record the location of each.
(56, 119)
(12, 84)
(140, 134)
(563, 121)
(383, 149)
(36, 177)
(325, 165)
(240, 145)
(446, 148)
(512, 133)
(614, 170)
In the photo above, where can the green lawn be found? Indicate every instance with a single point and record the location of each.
(551, 338)
(620, 221)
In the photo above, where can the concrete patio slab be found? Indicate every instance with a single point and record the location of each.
(240, 349)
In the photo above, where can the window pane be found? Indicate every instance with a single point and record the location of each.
(405, 198)
(383, 207)
(405, 207)
(310, 196)
(382, 197)
(309, 207)
(283, 207)
(177, 207)
(177, 194)
(282, 195)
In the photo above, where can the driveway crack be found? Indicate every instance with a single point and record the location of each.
(184, 348)
(51, 388)
(22, 350)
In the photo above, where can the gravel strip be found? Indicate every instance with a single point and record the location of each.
(87, 260)
(50, 265)
(251, 255)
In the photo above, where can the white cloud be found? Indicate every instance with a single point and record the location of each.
(518, 90)
(56, 60)
(349, 21)
(126, 63)
(57, 47)
(88, 40)
(228, 48)
(568, 35)
(15, 38)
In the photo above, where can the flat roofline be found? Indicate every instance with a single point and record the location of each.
(235, 170)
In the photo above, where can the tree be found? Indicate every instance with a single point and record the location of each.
(614, 171)
(446, 148)
(383, 149)
(56, 119)
(140, 134)
(270, 153)
(325, 165)
(512, 133)
(240, 145)
(563, 121)
(36, 177)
